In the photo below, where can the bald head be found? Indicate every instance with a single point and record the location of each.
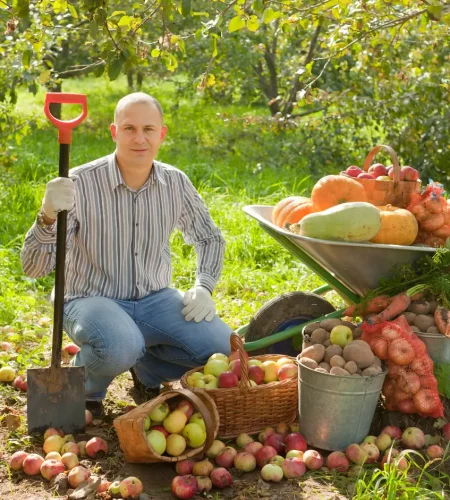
(137, 98)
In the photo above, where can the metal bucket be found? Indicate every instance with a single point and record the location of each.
(336, 411)
(438, 346)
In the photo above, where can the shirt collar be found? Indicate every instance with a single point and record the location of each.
(116, 177)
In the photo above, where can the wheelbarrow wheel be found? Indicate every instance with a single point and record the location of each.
(286, 310)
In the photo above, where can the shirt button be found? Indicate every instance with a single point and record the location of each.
(135, 253)
(137, 223)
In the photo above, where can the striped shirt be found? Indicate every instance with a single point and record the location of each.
(118, 238)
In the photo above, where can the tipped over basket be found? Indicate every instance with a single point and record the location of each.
(130, 427)
(387, 192)
(248, 408)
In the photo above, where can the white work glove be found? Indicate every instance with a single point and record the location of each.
(59, 196)
(199, 305)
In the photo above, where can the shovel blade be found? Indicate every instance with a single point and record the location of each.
(55, 398)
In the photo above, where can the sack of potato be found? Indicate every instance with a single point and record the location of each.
(410, 386)
(333, 346)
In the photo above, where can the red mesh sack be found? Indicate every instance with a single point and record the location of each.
(433, 215)
(410, 385)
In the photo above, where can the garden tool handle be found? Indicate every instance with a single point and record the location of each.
(64, 139)
(65, 127)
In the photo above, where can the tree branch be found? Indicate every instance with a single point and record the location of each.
(83, 70)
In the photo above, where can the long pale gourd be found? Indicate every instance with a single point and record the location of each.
(355, 222)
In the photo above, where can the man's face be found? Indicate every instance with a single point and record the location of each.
(138, 133)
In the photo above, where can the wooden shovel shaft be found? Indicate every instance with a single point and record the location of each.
(61, 232)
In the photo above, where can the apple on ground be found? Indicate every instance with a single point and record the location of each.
(51, 431)
(71, 349)
(393, 431)
(77, 475)
(295, 454)
(16, 460)
(70, 460)
(221, 478)
(272, 472)
(32, 464)
(338, 461)
(356, 454)
(293, 468)
(20, 383)
(216, 447)
(82, 448)
(355, 471)
(391, 456)
(435, 451)
(283, 429)
(313, 459)
(294, 427)
(295, 441)
(202, 468)
(96, 447)
(253, 447)
(130, 487)
(245, 461)
(184, 467)
(429, 440)
(369, 439)
(114, 489)
(263, 435)
(277, 460)
(70, 447)
(88, 417)
(243, 440)
(264, 455)
(53, 455)
(353, 171)
(68, 438)
(276, 441)
(413, 438)
(184, 487)
(204, 484)
(373, 453)
(103, 486)
(51, 468)
(226, 457)
(341, 335)
(446, 431)
(53, 443)
(383, 442)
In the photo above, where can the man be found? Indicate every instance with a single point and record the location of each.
(118, 307)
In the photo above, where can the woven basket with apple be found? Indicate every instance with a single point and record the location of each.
(386, 186)
(177, 424)
(250, 393)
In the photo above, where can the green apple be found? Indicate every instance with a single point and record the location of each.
(157, 441)
(193, 378)
(254, 362)
(197, 418)
(270, 371)
(215, 367)
(341, 335)
(200, 384)
(383, 178)
(194, 434)
(211, 382)
(147, 423)
(218, 355)
(159, 413)
(370, 439)
(114, 489)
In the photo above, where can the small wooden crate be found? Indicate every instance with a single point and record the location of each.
(248, 408)
(131, 433)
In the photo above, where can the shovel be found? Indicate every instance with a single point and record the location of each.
(55, 395)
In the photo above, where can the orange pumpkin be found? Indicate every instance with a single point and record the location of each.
(398, 227)
(291, 210)
(332, 190)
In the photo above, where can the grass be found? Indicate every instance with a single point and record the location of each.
(234, 156)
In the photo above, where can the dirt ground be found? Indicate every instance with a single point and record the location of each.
(157, 478)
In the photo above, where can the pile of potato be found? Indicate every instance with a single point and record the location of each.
(420, 316)
(356, 359)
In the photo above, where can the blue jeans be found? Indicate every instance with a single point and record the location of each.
(149, 334)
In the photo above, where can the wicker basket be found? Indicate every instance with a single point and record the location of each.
(394, 192)
(131, 434)
(248, 408)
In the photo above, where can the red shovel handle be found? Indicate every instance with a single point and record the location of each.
(65, 127)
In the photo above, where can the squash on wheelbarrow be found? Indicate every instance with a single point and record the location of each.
(354, 222)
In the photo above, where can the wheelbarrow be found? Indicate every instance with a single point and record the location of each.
(350, 269)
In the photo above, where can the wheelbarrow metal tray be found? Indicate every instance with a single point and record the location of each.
(358, 266)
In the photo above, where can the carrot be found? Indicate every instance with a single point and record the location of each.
(398, 304)
(442, 319)
(376, 305)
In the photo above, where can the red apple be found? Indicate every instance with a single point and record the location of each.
(337, 460)
(32, 464)
(256, 373)
(103, 486)
(244, 461)
(253, 448)
(313, 459)
(413, 438)
(446, 431)
(283, 429)
(435, 451)
(51, 431)
(96, 447)
(226, 457)
(186, 407)
(235, 355)
(160, 428)
(276, 441)
(365, 175)
(130, 487)
(287, 371)
(353, 171)
(264, 455)
(227, 380)
(71, 349)
(204, 484)
(70, 460)
(391, 174)
(410, 174)
(221, 478)
(373, 453)
(393, 431)
(295, 441)
(51, 468)
(20, 383)
(293, 468)
(16, 460)
(235, 367)
(377, 169)
(88, 416)
(263, 435)
(184, 467)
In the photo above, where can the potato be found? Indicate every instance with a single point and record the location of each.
(329, 324)
(371, 371)
(357, 332)
(349, 324)
(339, 371)
(325, 366)
(319, 336)
(337, 361)
(310, 363)
(321, 370)
(331, 351)
(420, 307)
(351, 367)
(423, 322)
(359, 352)
(311, 327)
(433, 329)
(410, 317)
(376, 361)
(315, 352)
(433, 305)
(327, 343)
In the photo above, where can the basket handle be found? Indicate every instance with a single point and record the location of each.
(200, 405)
(237, 345)
(392, 154)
